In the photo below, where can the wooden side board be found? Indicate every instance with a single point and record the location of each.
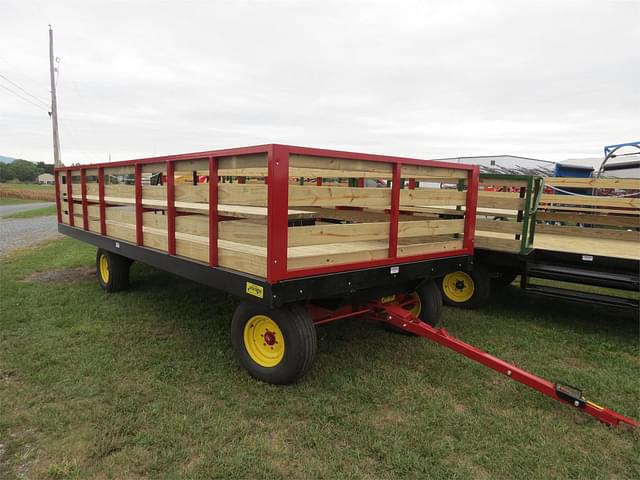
(589, 232)
(504, 200)
(615, 183)
(590, 201)
(615, 220)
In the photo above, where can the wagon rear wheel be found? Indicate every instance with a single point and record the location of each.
(425, 303)
(112, 271)
(274, 345)
(466, 289)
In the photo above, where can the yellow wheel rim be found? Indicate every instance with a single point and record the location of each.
(104, 269)
(417, 307)
(264, 341)
(458, 287)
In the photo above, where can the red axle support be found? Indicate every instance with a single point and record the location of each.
(394, 314)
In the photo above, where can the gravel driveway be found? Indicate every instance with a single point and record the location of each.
(22, 232)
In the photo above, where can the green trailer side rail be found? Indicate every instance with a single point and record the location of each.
(531, 193)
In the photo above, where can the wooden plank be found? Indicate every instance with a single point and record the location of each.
(589, 232)
(302, 196)
(432, 197)
(504, 200)
(595, 201)
(590, 210)
(420, 172)
(616, 183)
(497, 243)
(239, 211)
(502, 182)
(611, 220)
(588, 246)
(310, 166)
(430, 247)
(498, 226)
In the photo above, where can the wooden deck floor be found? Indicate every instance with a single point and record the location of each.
(588, 246)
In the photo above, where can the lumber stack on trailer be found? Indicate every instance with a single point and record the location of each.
(340, 209)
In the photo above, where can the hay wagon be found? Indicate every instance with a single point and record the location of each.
(576, 232)
(298, 233)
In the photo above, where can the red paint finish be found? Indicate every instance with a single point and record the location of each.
(470, 209)
(70, 199)
(171, 208)
(278, 213)
(83, 190)
(103, 210)
(318, 181)
(403, 319)
(412, 183)
(138, 193)
(277, 179)
(213, 212)
(395, 211)
(58, 206)
(360, 183)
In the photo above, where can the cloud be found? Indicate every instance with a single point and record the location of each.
(549, 79)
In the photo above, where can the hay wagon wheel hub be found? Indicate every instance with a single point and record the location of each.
(264, 341)
(458, 286)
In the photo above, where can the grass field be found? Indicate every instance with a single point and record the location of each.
(144, 384)
(27, 191)
(36, 212)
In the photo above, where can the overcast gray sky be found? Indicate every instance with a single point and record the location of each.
(546, 79)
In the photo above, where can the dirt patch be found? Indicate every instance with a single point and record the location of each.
(65, 275)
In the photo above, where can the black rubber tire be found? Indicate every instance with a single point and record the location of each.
(482, 289)
(430, 307)
(118, 279)
(504, 279)
(301, 342)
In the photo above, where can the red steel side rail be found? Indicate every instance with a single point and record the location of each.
(403, 319)
(213, 212)
(70, 198)
(138, 190)
(278, 213)
(83, 190)
(103, 210)
(58, 205)
(171, 208)
(394, 213)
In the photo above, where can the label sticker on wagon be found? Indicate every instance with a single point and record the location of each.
(394, 270)
(587, 258)
(255, 290)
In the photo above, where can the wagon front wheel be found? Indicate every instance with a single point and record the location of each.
(274, 345)
(467, 289)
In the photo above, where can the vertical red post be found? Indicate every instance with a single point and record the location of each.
(412, 184)
(138, 190)
(83, 190)
(70, 198)
(360, 182)
(470, 209)
(103, 210)
(318, 181)
(394, 212)
(213, 212)
(171, 208)
(57, 187)
(277, 213)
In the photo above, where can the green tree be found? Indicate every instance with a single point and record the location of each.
(46, 167)
(6, 172)
(24, 170)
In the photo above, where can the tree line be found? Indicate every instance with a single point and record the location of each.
(23, 170)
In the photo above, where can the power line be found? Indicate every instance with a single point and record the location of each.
(24, 90)
(25, 99)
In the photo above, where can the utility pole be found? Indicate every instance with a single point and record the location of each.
(54, 104)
